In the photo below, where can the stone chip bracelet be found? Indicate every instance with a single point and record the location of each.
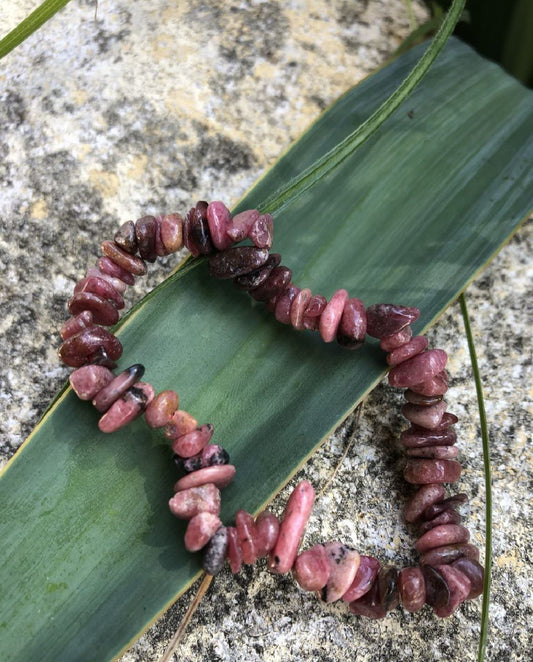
(449, 571)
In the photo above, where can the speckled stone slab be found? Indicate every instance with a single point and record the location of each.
(152, 105)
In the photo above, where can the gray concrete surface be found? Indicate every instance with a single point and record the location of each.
(155, 104)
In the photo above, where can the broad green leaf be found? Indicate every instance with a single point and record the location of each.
(90, 552)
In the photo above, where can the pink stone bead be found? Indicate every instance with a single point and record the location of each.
(120, 384)
(244, 523)
(331, 316)
(364, 578)
(297, 512)
(211, 455)
(424, 497)
(200, 530)
(262, 231)
(352, 328)
(221, 475)
(284, 303)
(181, 422)
(437, 385)
(88, 380)
(448, 516)
(416, 437)
(312, 568)
(298, 307)
(103, 311)
(424, 416)
(475, 573)
(112, 269)
(446, 534)
(241, 224)
(418, 369)
(234, 551)
(119, 285)
(80, 348)
(267, 532)
(219, 220)
(448, 419)
(369, 604)
(434, 452)
(423, 472)
(135, 265)
(412, 587)
(386, 319)
(159, 412)
(193, 442)
(277, 281)
(188, 503)
(419, 399)
(390, 343)
(415, 346)
(459, 586)
(344, 563)
(127, 408)
(171, 232)
(160, 248)
(449, 553)
(314, 309)
(76, 324)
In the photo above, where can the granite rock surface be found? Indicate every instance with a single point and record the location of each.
(153, 105)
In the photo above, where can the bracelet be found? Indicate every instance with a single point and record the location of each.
(449, 571)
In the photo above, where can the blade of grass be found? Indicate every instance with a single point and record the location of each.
(488, 482)
(31, 23)
(292, 191)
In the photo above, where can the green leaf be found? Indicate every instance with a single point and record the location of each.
(90, 552)
(28, 26)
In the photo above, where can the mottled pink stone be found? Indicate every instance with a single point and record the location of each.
(425, 416)
(312, 568)
(261, 232)
(103, 311)
(448, 419)
(159, 412)
(423, 472)
(412, 587)
(221, 475)
(314, 310)
(282, 310)
(120, 384)
(449, 553)
(446, 534)
(459, 587)
(434, 452)
(424, 497)
(118, 284)
(211, 455)
(135, 265)
(112, 269)
(292, 527)
(241, 224)
(234, 552)
(267, 532)
(171, 232)
(344, 563)
(364, 578)
(81, 347)
(192, 443)
(331, 316)
(416, 437)
(386, 319)
(90, 379)
(76, 324)
(418, 369)
(219, 220)
(448, 516)
(200, 530)
(181, 422)
(419, 399)
(160, 249)
(475, 573)
(415, 346)
(127, 408)
(369, 604)
(188, 503)
(390, 343)
(352, 328)
(298, 307)
(277, 281)
(439, 506)
(244, 523)
(437, 385)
